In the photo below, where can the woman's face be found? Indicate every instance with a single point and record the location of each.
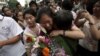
(20, 15)
(96, 9)
(30, 20)
(46, 22)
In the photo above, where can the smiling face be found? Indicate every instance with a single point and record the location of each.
(46, 21)
(30, 20)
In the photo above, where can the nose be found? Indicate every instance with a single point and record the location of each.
(29, 20)
(48, 25)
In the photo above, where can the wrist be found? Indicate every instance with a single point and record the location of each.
(90, 23)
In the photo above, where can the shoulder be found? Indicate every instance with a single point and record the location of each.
(8, 19)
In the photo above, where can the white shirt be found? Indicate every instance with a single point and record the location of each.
(89, 42)
(8, 29)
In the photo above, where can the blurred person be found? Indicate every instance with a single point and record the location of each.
(10, 43)
(21, 20)
(91, 29)
(18, 7)
(33, 5)
(7, 11)
(68, 5)
(32, 30)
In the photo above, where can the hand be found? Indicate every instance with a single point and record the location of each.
(85, 14)
(56, 33)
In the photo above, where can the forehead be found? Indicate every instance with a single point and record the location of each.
(6, 8)
(45, 17)
(28, 15)
(20, 12)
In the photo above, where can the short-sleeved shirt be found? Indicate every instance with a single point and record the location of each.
(9, 29)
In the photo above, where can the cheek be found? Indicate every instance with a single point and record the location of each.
(94, 10)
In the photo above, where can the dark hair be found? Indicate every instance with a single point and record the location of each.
(63, 20)
(90, 6)
(16, 14)
(17, 4)
(32, 2)
(4, 8)
(67, 5)
(44, 10)
(30, 11)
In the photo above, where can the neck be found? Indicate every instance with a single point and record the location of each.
(32, 26)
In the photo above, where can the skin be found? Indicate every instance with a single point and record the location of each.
(30, 20)
(20, 19)
(46, 22)
(7, 12)
(33, 6)
(74, 33)
(93, 19)
(10, 41)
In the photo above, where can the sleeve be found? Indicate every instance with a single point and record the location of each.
(15, 29)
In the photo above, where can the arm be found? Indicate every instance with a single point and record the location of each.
(14, 33)
(95, 32)
(75, 33)
(93, 29)
(10, 41)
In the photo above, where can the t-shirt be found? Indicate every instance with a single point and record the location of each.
(9, 29)
(89, 42)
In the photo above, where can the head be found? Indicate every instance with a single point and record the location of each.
(19, 15)
(33, 5)
(63, 20)
(45, 17)
(30, 17)
(7, 11)
(18, 5)
(96, 9)
(90, 5)
(67, 5)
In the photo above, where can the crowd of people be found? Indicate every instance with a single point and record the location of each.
(61, 28)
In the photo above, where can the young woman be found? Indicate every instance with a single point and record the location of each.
(20, 18)
(32, 30)
(89, 45)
